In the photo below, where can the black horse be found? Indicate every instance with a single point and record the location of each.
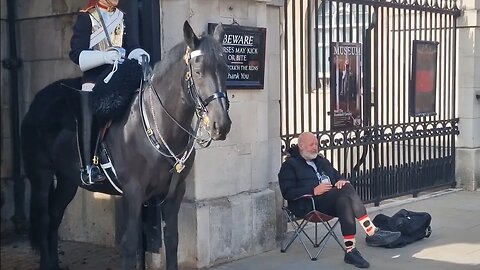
(150, 144)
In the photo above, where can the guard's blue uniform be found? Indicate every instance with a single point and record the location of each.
(89, 35)
(80, 41)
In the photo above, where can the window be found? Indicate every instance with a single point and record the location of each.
(337, 22)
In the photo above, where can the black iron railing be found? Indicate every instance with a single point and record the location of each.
(390, 152)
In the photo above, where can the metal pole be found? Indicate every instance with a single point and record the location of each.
(12, 64)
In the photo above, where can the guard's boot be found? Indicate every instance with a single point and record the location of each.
(90, 172)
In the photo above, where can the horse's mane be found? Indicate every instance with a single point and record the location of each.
(211, 49)
(172, 57)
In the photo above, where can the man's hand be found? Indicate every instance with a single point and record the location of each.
(340, 183)
(321, 188)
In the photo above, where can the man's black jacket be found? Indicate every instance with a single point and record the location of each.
(297, 178)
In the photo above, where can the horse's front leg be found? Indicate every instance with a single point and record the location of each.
(170, 211)
(133, 199)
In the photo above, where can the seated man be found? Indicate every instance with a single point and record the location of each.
(307, 173)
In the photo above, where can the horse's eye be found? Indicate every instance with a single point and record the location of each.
(198, 73)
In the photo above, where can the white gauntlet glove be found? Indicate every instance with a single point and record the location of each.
(111, 56)
(137, 54)
(91, 59)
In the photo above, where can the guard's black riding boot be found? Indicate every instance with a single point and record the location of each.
(90, 173)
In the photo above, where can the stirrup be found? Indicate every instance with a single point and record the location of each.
(91, 175)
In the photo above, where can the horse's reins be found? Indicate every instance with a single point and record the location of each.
(200, 109)
(151, 135)
(178, 166)
(166, 111)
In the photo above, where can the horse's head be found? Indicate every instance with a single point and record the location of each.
(208, 71)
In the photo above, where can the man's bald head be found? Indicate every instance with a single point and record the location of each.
(308, 145)
(305, 138)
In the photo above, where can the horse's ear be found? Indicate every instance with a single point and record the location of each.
(190, 38)
(218, 33)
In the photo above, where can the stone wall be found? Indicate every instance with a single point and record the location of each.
(468, 86)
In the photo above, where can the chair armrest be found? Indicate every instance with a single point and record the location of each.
(307, 196)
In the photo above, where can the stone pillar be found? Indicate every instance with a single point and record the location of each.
(229, 210)
(468, 62)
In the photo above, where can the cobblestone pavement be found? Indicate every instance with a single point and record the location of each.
(16, 254)
(454, 244)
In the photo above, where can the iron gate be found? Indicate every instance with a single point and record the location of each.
(387, 152)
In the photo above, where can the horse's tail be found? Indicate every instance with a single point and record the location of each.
(44, 119)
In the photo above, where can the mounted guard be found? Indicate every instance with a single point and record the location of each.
(99, 44)
(151, 136)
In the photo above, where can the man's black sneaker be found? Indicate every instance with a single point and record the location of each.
(382, 238)
(354, 257)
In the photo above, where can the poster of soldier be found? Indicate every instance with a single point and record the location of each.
(346, 85)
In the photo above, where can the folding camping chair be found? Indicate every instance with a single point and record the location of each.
(299, 224)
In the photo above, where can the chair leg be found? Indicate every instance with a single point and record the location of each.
(316, 244)
(299, 230)
(336, 237)
(302, 230)
(322, 245)
(295, 234)
(313, 242)
(284, 246)
(330, 233)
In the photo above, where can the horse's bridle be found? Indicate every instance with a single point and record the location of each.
(200, 104)
(200, 109)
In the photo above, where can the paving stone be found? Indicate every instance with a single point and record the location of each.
(16, 253)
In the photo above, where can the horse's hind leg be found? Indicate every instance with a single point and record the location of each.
(41, 181)
(59, 199)
(170, 214)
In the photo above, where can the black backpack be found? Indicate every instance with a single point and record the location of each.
(414, 226)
